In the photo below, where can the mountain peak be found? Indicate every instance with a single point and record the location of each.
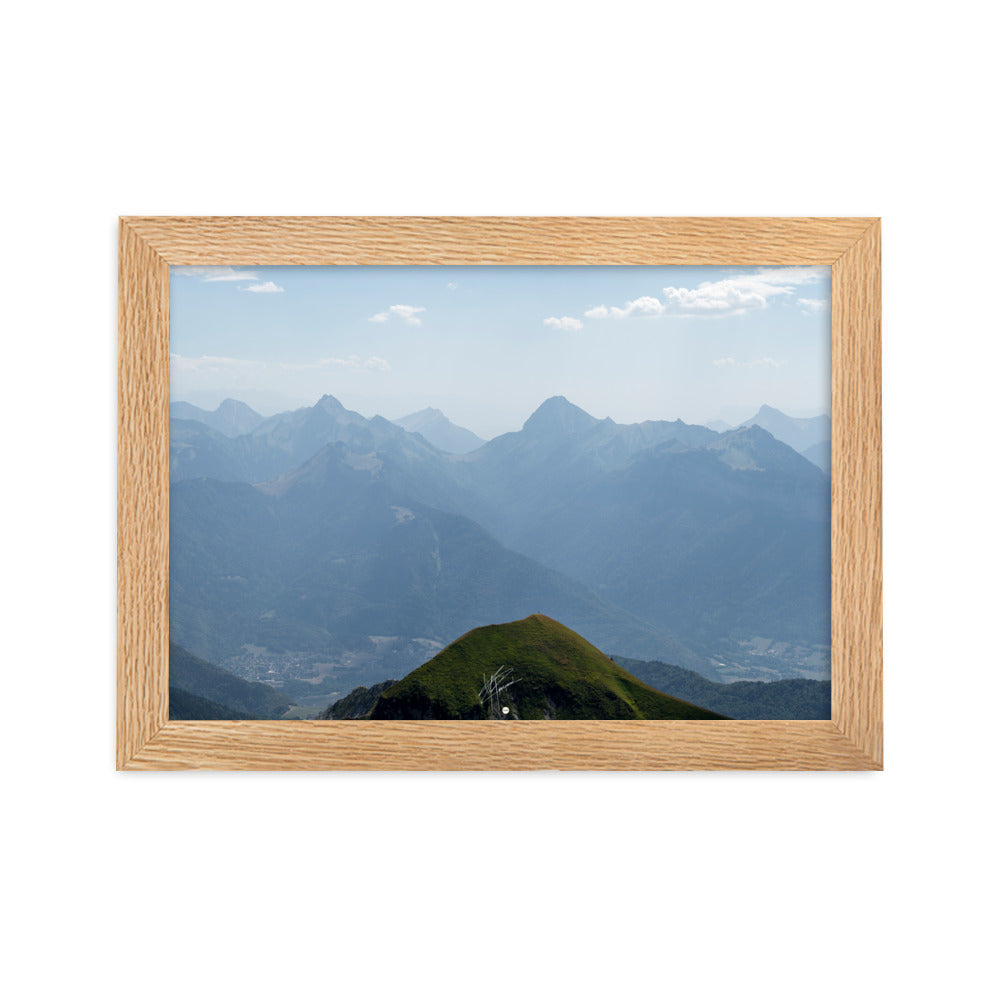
(798, 432)
(234, 406)
(754, 448)
(748, 432)
(329, 404)
(231, 417)
(558, 414)
(436, 428)
(549, 670)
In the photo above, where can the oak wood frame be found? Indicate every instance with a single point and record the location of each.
(146, 740)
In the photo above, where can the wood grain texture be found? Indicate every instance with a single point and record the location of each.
(467, 746)
(856, 484)
(386, 240)
(143, 491)
(852, 740)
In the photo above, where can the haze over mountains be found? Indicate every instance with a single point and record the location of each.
(435, 427)
(809, 436)
(323, 549)
(231, 417)
(799, 432)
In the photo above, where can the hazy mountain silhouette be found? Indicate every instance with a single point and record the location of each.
(435, 427)
(799, 433)
(560, 448)
(284, 441)
(334, 554)
(230, 418)
(702, 534)
(819, 455)
(659, 540)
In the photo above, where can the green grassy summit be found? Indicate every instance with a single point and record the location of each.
(556, 674)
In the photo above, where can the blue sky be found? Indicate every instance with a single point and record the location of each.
(487, 345)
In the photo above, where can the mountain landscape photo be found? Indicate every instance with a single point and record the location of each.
(579, 525)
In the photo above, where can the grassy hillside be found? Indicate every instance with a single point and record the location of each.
(358, 704)
(210, 683)
(556, 674)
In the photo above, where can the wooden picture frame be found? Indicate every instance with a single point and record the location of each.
(146, 740)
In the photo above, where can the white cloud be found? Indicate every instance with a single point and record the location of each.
(353, 361)
(216, 273)
(731, 296)
(451, 286)
(563, 323)
(207, 364)
(726, 297)
(756, 363)
(408, 314)
(645, 305)
(228, 274)
(813, 305)
(234, 368)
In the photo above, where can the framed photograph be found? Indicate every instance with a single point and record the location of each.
(499, 494)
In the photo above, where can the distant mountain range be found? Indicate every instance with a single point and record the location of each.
(230, 418)
(435, 427)
(327, 558)
(809, 436)
(703, 535)
(282, 442)
(798, 432)
(351, 548)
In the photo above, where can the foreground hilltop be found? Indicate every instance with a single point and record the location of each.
(553, 673)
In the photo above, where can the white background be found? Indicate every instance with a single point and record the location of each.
(688, 885)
